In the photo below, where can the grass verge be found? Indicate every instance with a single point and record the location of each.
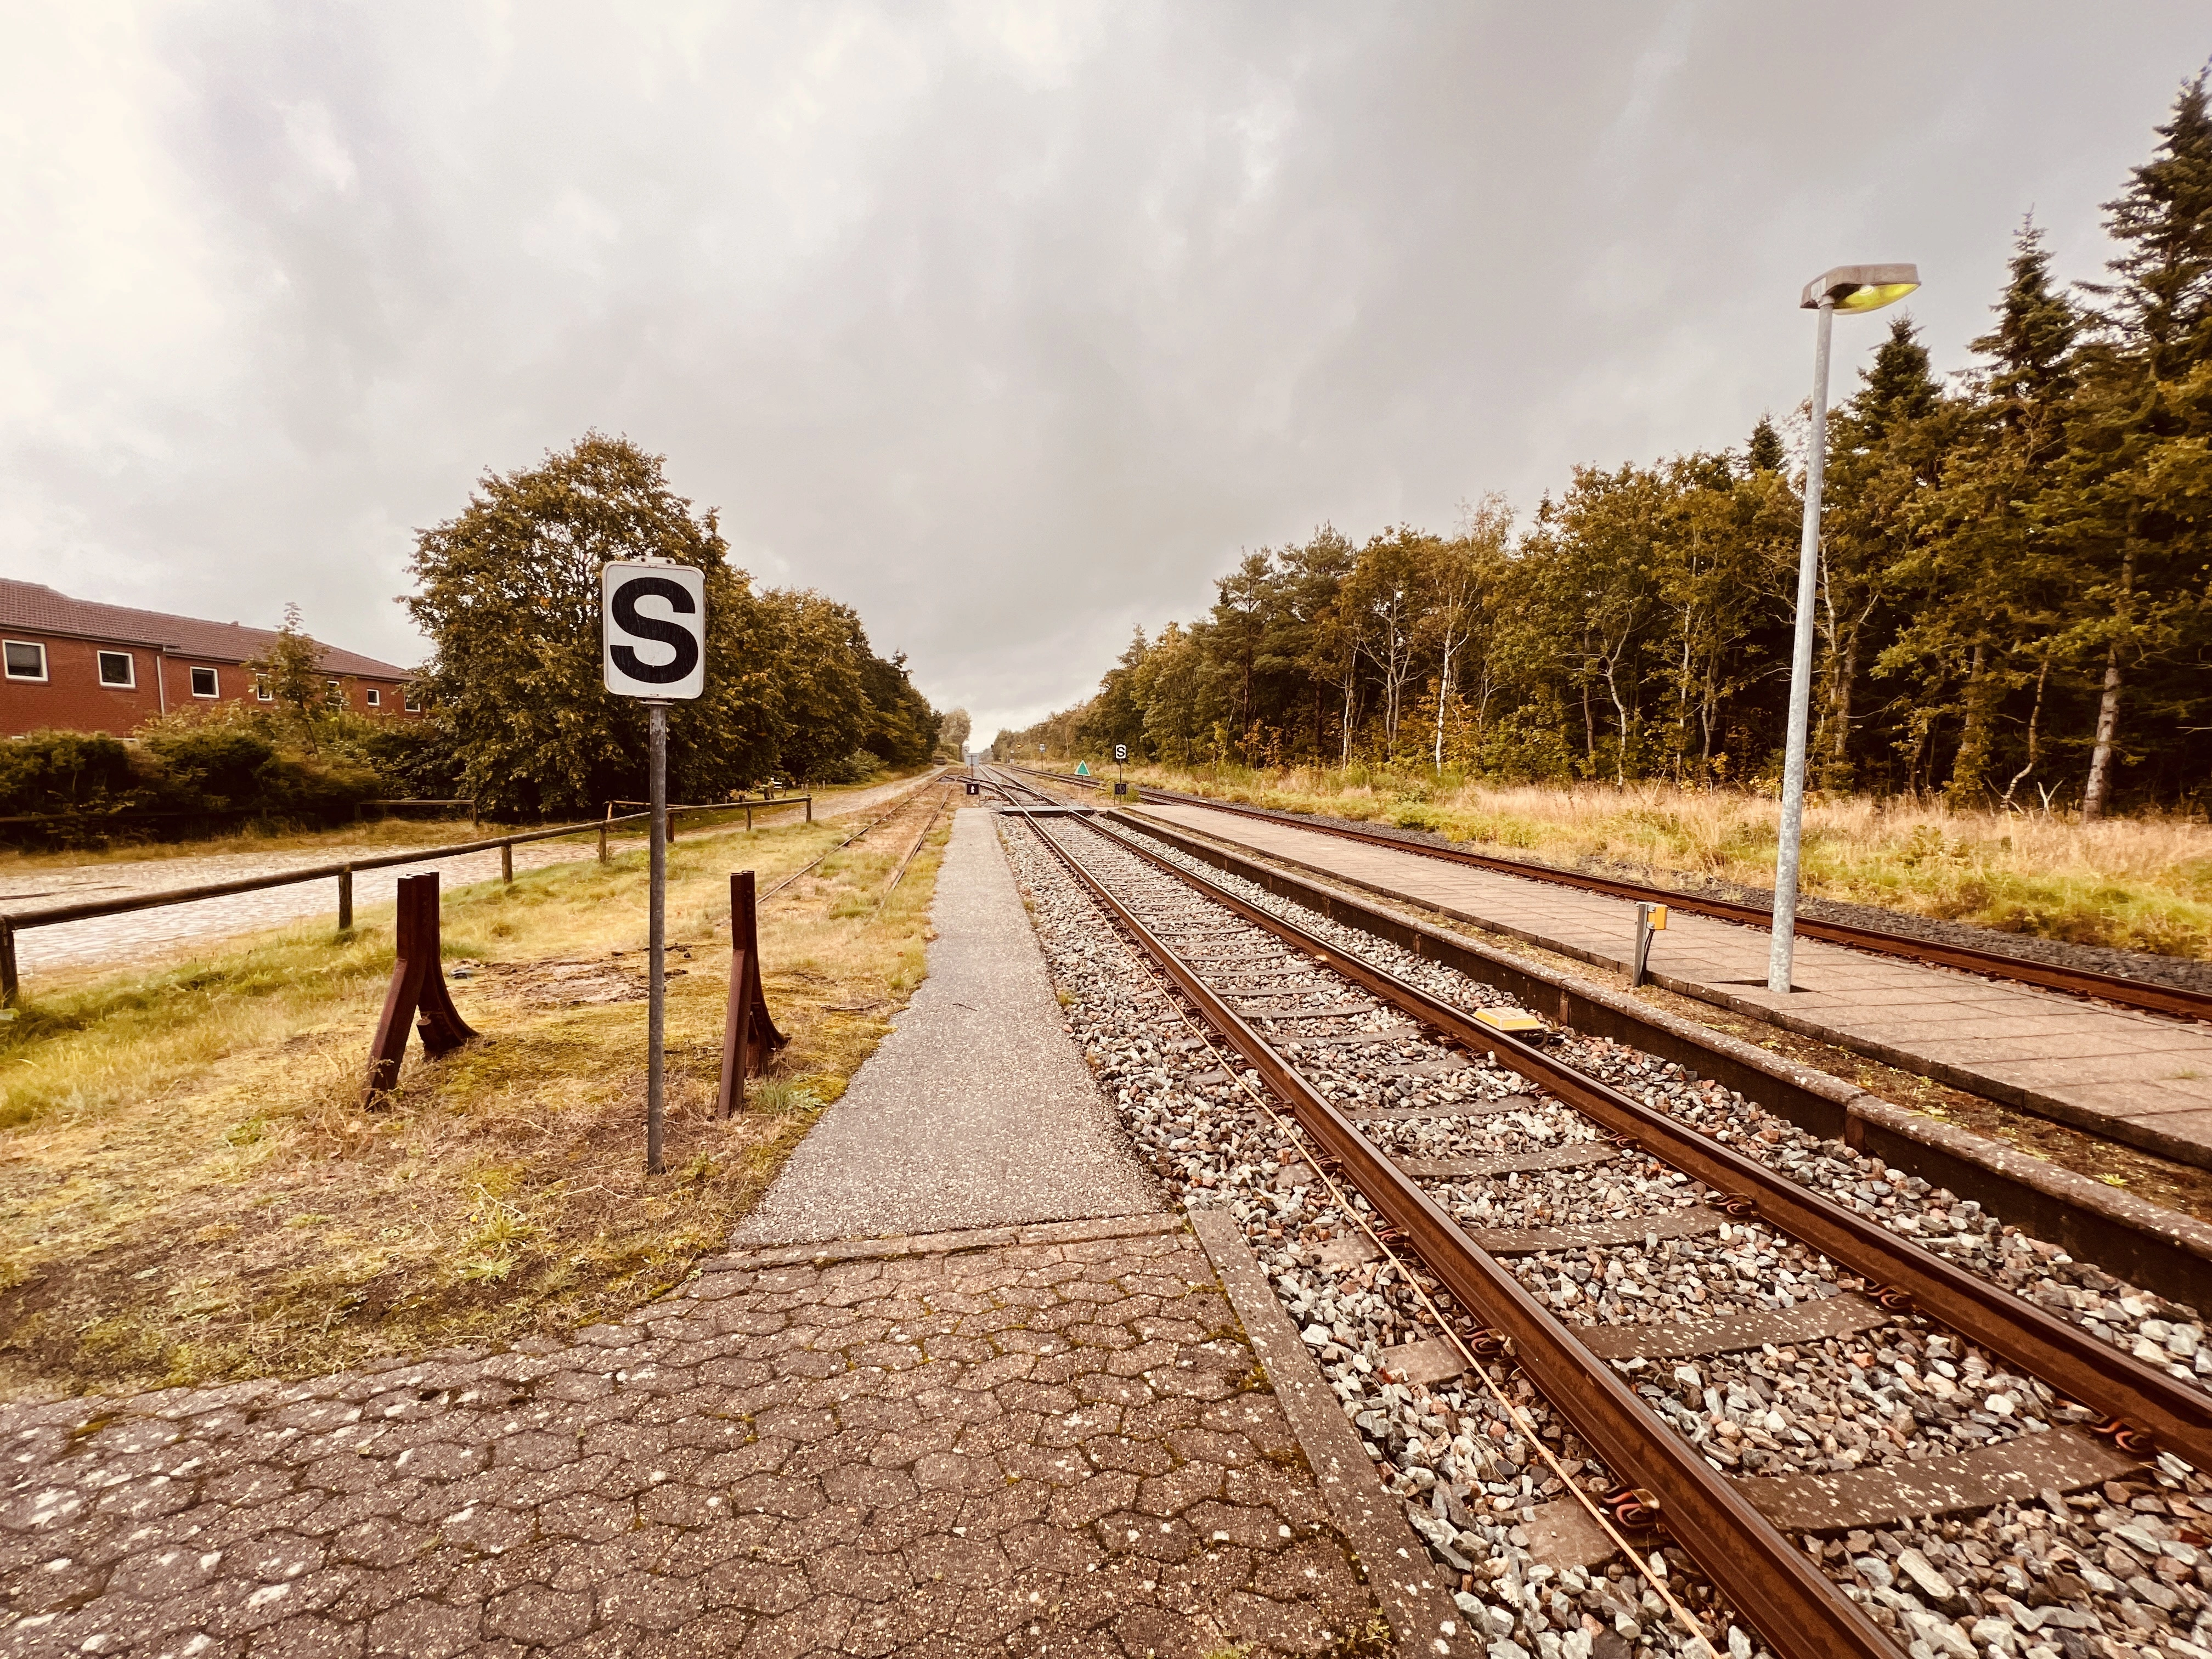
(2141, 883)
(191, 1190)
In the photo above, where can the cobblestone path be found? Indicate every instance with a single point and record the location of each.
(1052, 1446)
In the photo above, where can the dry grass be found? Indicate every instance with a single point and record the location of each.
(2141, 883)
(190, 1189)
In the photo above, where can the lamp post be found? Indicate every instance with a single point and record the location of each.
(1847, 287)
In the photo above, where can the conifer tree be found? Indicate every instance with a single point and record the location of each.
(2135, 508)
(1764, 452)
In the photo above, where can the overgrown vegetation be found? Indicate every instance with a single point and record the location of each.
(2141, 883)
(2015, 598)
(190, 1189)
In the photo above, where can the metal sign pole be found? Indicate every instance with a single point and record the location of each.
(656, 1018)
(656, 656)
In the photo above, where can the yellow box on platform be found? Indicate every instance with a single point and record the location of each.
(1517, 1021)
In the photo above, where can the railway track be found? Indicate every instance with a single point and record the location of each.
(1772, 1380)
(2175, 1001)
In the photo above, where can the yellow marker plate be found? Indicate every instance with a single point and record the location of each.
(1516, 1020)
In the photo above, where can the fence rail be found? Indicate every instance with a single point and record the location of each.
(14, 922)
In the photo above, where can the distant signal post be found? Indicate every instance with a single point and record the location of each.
(654, 647)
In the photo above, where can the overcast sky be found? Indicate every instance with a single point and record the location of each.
(1011, 326)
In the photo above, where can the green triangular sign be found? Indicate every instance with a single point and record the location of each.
(1083, 768)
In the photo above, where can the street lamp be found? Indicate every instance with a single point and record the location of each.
(1847, 287)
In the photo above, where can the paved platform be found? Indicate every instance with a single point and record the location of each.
(1041, 1447)
(977, 1111)
(2131, 1076)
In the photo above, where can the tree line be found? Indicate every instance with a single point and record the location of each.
(516, 715)
(508, 591)
(2015, 601)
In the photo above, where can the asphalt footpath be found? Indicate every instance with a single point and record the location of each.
(977, 1111)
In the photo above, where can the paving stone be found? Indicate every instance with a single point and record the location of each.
(885, 1465)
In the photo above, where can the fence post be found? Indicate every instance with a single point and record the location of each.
(603, 831)
(810, 809)
(748, 1036)
(8, 986)
(418, 987)
(749, 820)
(345, 900)
(506, 860)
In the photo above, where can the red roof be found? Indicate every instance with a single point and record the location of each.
(37, 608)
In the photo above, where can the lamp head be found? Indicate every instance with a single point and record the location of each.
(1861, 287)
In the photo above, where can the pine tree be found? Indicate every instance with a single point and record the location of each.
(1885, 446)
(2136, 506)
(1764, 454)
(2163, 297)
(1980, 585)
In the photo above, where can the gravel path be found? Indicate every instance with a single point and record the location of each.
(143, 933)
(977, 1111)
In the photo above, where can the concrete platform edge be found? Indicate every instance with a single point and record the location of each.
(944, 1243)
(1410, 1586)
(2144, 1242)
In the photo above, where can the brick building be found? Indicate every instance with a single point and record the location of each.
(83, 666)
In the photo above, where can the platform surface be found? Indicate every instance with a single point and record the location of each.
(977, 1111)
(1040, 1447)
(2135, 1078)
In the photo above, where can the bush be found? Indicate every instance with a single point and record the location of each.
(58, 772)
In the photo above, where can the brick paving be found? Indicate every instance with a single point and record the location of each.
(1056, 1443)
(2131, 1076)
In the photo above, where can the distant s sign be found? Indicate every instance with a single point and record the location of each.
(653, 629)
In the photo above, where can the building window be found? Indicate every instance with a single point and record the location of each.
(27, 660)
(115, 670)
(375, 698)
(261, 689)
(334, 694)
(411, 703)
(203, 683)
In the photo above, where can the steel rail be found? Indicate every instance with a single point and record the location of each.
(2141, 995)
(901, 803)
(1767, 1579)
(2062, 1353)
(899, 875)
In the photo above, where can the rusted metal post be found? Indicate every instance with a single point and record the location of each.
(748, 1036)
(418, 994)
(345, 899)
(506, 860)
(9, 985)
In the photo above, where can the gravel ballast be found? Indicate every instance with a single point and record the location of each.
(2029, 1580)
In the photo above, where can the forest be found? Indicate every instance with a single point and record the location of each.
(2015, 601)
